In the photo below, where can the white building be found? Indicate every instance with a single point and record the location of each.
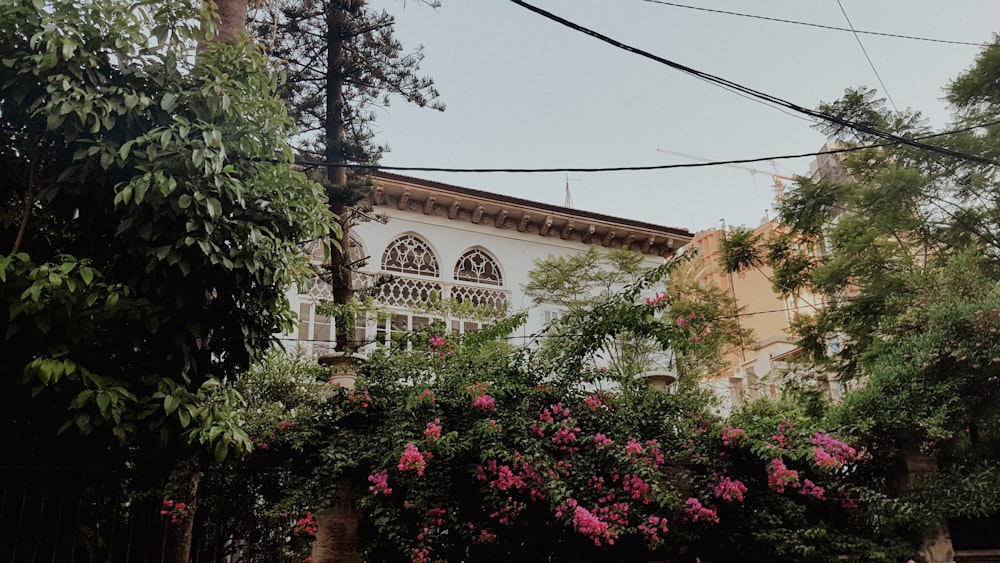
(471, 246)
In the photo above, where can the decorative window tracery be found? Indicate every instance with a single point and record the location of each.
(478, 267)
(410, 255)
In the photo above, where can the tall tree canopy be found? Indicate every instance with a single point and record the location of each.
(151, 218)
(909, 262)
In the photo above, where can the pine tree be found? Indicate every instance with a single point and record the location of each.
(342, 62)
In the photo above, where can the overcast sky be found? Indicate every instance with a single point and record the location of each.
(525, 92)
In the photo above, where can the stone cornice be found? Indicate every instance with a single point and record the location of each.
(505, 212)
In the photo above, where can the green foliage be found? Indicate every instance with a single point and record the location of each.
(154, 216)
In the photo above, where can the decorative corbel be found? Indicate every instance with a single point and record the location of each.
(647, 243)
(608, 237)
(628, 241)
(543, 230)
(453, 210)
(523, 225)
(589, 235)
(567, 230)
(378, 192)
(501, 220)
(404, 199)
(429, 205)
(477, 215)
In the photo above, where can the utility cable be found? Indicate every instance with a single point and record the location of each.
(752, 160)
(865, 51)
(728, 84)
(830, 27)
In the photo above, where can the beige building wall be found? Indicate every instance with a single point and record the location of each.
(752, 369)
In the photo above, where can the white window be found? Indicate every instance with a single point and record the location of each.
(477, 266)
(410, 255)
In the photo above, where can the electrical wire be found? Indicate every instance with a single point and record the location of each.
(728, 84)
(751, 160)
(821, 26)
(865, 51)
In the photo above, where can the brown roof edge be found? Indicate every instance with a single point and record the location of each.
(683, 233)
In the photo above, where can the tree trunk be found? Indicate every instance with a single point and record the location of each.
(338, 31)
(231, 20)
(180, 523)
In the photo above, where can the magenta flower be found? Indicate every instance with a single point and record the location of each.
(412, 460)
(484, 402)
(779, 476)
(729, 490)
(379, 483)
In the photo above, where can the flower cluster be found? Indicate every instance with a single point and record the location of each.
(779, 476)
(658, 300)
(831, 454)
(480, 399)
(379, 483)
(596, 401)
(779, 440)
(729, 489)
(812, 490)
(175, 510)
(484, 402)
(427, 395)
(433, 431)
(601, 441)
(637, 487)
(412, 460)
(440, 347)
(698, 513)
(306, 525)
(652, 529)
(731, 435)
(586, 523)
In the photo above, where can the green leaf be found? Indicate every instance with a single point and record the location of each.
(87, 275)
(103, 401)
(184, 201)
(169, 101)
(170, 404)
(221, 450)
(185, 417)
(81, 399)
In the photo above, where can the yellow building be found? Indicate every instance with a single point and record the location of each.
(756, 366)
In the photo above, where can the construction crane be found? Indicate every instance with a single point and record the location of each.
(779, 186)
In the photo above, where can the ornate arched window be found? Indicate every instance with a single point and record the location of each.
(410, 255)
(478, 267)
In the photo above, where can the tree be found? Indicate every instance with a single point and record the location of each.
(342, 62)
(617, 284)
(153, 221)
(910, 276)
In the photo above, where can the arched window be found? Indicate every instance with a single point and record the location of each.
(478, 267)
(410, 255)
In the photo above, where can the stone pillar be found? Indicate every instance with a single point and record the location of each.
(936, 545)
(337, 537)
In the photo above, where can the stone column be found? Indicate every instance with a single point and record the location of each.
(936, 545)
(337, 537)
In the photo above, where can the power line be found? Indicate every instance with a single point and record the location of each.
(830, 27)
(729, 84)
(865, 51)
(321, 164)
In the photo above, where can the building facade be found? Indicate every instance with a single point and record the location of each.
(466, 246)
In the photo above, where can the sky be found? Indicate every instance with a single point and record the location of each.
(524, 92)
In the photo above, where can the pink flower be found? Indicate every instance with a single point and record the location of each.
(380, 483)
(633, 447)
(433, 431)
(831, 454)
(812, 489)
(729, 490)
(779, 476)
(286, 424)
(698, 513)
(731, 435)
(412, 460)
(484, 402)
(601, 441)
